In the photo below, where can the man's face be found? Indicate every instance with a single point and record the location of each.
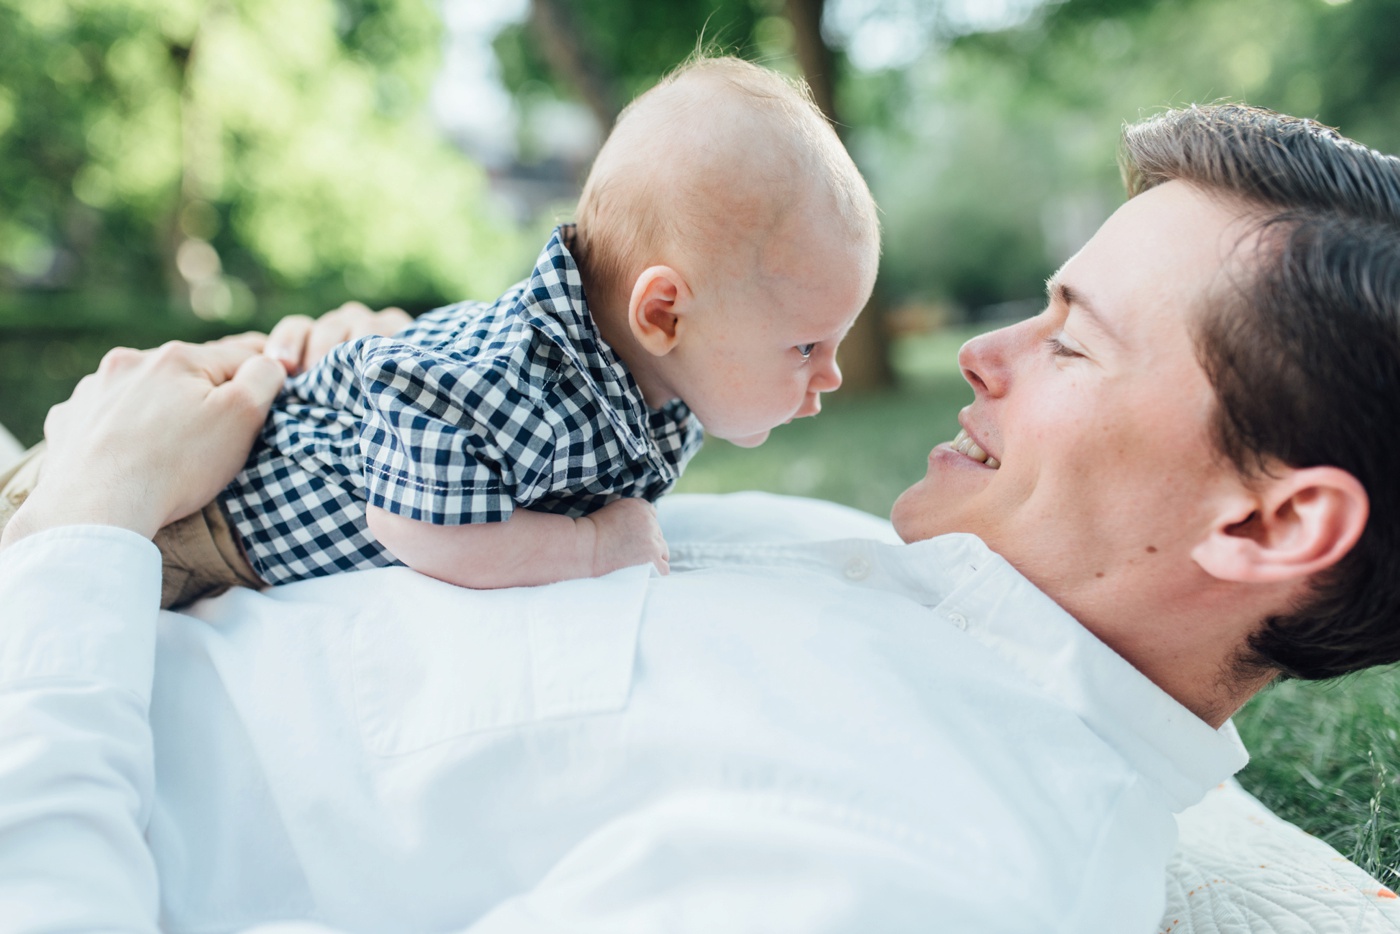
(1094, 414)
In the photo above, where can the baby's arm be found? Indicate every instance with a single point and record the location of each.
(528, 548)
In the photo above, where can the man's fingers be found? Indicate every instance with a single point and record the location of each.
(390, 321)
(286, 342)
(254, 385)
(119, 359)
(255, 340)
(298, 341)
(325, 336)
(218, 361)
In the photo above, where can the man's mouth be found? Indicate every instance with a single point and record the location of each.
(964, 444)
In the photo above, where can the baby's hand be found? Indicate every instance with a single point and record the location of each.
(626, 534)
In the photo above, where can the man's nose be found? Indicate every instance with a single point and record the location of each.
(983, 362)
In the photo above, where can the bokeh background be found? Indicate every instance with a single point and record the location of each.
(189, 168)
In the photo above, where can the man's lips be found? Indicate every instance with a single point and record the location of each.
(964, 444)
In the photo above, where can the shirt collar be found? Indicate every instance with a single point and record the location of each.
(553, 303)
(1166, 742)
(969, 586)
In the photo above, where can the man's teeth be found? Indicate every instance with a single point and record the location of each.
(965, 445)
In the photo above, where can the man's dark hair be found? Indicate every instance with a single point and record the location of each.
(1304, 357)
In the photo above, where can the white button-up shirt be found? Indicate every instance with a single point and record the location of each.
(785, 734)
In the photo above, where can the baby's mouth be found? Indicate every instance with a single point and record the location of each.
(964, 444)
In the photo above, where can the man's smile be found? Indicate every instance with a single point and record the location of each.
(964, 444)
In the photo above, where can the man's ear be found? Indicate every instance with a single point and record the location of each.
(654, 312)
(1296, 525)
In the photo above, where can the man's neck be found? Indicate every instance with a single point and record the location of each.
(1188, 642)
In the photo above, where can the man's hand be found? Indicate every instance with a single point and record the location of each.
(626, 534)
(298, 341)
(150, 437)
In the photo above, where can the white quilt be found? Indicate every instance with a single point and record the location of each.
(1241, 869)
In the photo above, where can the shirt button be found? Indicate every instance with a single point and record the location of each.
(857, 569)
(958, 620)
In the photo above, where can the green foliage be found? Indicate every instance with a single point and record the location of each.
(163, 161)
(638, 41)
(1000, 159)
(1325, 757)
(221, 155)
(55, 91)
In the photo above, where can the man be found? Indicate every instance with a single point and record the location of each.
(1180, 477)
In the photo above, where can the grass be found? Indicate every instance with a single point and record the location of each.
(1324, 756)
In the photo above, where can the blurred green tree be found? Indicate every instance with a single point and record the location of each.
(999, 157)
(233, 153)
(183, 168)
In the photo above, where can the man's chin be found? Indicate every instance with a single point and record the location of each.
(916, 514)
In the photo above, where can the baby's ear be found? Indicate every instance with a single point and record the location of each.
(659, 299)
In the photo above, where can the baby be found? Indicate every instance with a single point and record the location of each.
(725, 243)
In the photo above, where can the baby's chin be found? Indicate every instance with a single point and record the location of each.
(748, 441)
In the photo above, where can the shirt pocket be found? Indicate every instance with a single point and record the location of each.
(459, 663)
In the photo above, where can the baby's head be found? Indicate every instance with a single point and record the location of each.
(727, 243)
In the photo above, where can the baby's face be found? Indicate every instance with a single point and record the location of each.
(765, 354)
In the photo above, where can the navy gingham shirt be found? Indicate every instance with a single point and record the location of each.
(471, 411)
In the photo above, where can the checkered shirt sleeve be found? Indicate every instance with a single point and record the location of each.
(450, 444)
(473, 410)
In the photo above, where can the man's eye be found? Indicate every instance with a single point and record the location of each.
(806, 350)
(1059, 349)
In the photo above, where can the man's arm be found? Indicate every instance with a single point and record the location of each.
(148, 438)
(528, 548)
(76, 768)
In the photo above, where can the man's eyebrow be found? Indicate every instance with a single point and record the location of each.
(1072, 298)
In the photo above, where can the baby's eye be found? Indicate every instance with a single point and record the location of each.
(806, 350)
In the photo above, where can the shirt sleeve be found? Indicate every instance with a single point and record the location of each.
(77, 656)
(447, 442)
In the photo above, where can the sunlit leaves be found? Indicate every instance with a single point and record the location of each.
(287, 138)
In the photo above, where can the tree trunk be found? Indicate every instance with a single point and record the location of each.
(813, 55)
(864, 357)
(558, 36)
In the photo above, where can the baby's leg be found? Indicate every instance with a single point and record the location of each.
(200, 554)
(10, 449)
(201, 557)
(17, 481)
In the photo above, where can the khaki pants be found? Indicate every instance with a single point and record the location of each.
(200, 554)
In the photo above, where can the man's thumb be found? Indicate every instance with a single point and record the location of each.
(258, 379)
